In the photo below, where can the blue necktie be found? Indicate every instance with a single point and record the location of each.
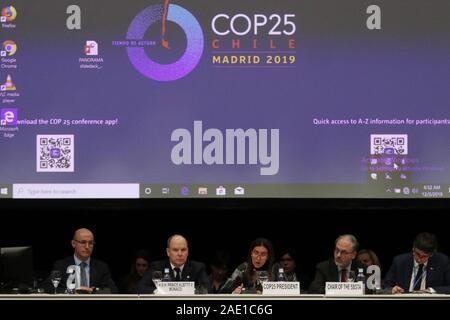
(83, 277)
(418, 278)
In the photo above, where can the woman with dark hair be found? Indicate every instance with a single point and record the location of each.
(218, 271)
(367, 257)
(248, 275)
(139, 266)
(289, 261)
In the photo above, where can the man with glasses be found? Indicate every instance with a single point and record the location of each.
(337, 269)
(94, 274)
(422, 270)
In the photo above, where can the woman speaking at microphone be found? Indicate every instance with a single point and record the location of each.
(259, 267)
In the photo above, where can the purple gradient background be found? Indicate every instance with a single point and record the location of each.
(350, 73)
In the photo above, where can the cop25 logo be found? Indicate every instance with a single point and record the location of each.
(194, 46)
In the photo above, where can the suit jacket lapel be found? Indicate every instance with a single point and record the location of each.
(430, 266)
(334, 273)
(70, 262)
(92, 273)
(185, 275)
(408, 273)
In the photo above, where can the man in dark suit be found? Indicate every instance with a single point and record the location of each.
(94, 274)
(181, 269)
(422, 270)
(336, 269)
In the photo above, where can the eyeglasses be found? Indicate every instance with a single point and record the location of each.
(342, 252)
(421, 255)
(256, 253)
(90, 243)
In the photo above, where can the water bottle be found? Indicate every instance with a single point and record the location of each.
(361, 278)
(281, 275)
(166, 276)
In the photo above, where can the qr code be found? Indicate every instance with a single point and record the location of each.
(389, 144)
(55, 153)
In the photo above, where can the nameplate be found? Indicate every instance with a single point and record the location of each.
(344, 288)
(176, 287)
(281, 288)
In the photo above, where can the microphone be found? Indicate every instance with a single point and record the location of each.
(233, 281)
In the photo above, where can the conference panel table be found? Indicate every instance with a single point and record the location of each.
(221, 297)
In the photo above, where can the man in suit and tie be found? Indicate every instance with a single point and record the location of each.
(94, 274)
(422, 270)
(181, 269)
(338, 268)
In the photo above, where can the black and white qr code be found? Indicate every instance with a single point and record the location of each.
(389, 144)
(55, 153)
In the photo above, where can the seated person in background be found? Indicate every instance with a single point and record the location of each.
(337, 269)
(260, 258)
(140, 265)
(368, 258)
(181, 269)
(219, 271)
(288, 261)
(423, 270)
(94, 274)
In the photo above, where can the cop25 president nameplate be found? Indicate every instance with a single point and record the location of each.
(176, 287)
(281, 288)
(344, 289)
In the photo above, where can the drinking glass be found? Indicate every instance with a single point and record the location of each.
(55, 277)
(263, 276)
(157, 278)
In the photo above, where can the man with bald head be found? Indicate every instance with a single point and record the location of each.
(94, 274)
(181, 269)
(338, 268)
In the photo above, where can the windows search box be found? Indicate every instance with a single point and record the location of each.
(76, 191)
